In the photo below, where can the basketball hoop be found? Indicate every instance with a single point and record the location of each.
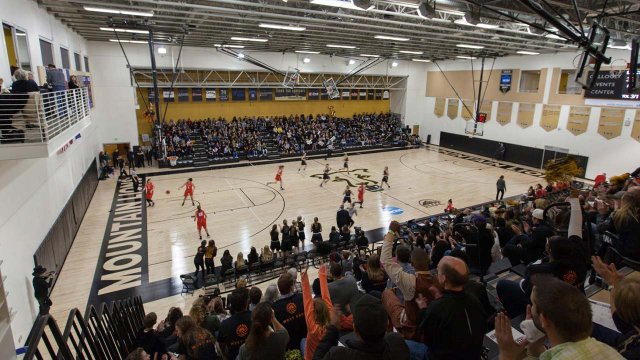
(291, 78)
(473, 128)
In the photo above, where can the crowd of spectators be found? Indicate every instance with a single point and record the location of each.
(291, 135)
(418, 296)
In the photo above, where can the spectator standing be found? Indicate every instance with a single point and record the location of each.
(73, 83)
(289, 311)
(343, 289)
(501, 186)
(263, 342)
(342, 217)
(234, 330)
(198, 260)
(210, 252)
(255, 295)
(403, 257)
(316, 311)
(41, 283)
(195, 342)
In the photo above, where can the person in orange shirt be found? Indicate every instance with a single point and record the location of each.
(599, 180)
(316, 311)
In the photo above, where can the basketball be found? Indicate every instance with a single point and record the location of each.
(168, 192)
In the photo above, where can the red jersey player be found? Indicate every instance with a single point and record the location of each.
(148, 191)
(188, 191)
(201, 221)
(278, 177)
(360, 195)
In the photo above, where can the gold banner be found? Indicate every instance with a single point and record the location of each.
(550, 117)
(504, 113)
(525, 114)
(610, 124)
(578, 119)
(452, 108)
(439, 108)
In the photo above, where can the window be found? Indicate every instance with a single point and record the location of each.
(17, 47)
(86, 64)
(64, 54)
(529, 81)
(78, 63)
(567, 84)
(46, 51)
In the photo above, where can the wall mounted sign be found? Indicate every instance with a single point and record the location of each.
(439, 108)
(525, 114)
(504, 113)
(196, 94)
(392, 210)
(167, 95)
(550, 117)
(610, 124)
(505, 81)
(578, 119)
(210, 94)
(452, 108)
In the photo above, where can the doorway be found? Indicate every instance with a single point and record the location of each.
(121, 147)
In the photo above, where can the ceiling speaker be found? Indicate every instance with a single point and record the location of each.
(426, 11)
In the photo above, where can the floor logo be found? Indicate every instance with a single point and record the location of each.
(429, 203)
(360, 175)
(392, 210)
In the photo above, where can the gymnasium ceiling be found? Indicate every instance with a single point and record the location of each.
(205, 23)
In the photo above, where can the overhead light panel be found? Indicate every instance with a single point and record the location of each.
(307, 52)
(341, 46)
(394, 38)
(130, 41)
(306, 60)
(555, 37)
(394, 64)
(131, 31)
(470, 46)
(240, 55)
(466, 57)
(118, 11)
(370, 55)
(351, 61)
(451, 12)
(426, 11)
(421, 60)
(346, 4)
(523, 52)
(282, 27)
(487, 26)
(229, 46)
(236, 38)
(411, 52)
(162, 50)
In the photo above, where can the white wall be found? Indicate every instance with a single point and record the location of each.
(614, 156)
(34, 191)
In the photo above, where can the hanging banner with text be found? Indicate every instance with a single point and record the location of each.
(611, 120)
(578, 119)
(183, 95)
(439, 107)
(504, 113)
(210, 94)
(196, 94)
(550, 117)
(452, 108)
(167, 95)
(525, 114)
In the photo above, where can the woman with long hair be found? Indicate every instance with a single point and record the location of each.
(267, 254)
(293, 235)
(301, 226)
(198, 260)
(196, 343)
(626, 224)
(219, 310)
(210, 252)
(253, 256)
(286, 238)
(226, 262)
(200, 314)
(263, 342)
(374, 278)
(316, 311)
(316, 231)
(240, 260)
(275, 240)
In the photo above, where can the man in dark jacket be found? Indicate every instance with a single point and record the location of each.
(371, 340)
(342, 217)
(41, 284)
(289, 311)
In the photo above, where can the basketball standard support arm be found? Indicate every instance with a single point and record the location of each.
(369, 63)
(250, 60)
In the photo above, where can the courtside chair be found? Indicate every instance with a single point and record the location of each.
(188, 284)
(210, 280)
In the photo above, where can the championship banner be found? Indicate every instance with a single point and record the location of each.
(196, 94)
(611, 120)
(266, 94)
(183, 95)
(345, 94)
(210, 94)
(238, 94)
(452, 108)
(224, 94)
(253, 94)
(323, 94)
(354, 94)
(286, 94)
(167, 95)
(578, 119)
(525, 115)
(371, 94)
(378, 94)
(550, 117)
(385, 95)
(151, 95)
(313, 94)
(438, 110)
(362, 94)
(504, 113)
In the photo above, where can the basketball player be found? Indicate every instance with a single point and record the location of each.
(188, 191)
(148, 192)
(303, 162)
(346, 163)
(278, 177)
(201, 221)
(325, 175)
(385, 177)
(347, 195)
(360, 195)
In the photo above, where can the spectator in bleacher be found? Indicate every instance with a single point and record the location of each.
(23, 85)
(167, 327)
(566, 261)
(316, 311)
(345, 234)
(195, 342)
(475, 288)
(234, 330)
(226, 262)
(404, 315)
(210, 252)
(240, 261)
(625, 311)
(138, 354)
(263, 342)
(271, 294)
(343, 289)
(563, 313)
(626, 224)
(200, 314)
(371, 339)
(219, 310)
(253, 256)
(198, 259)
(255, 295)
(149, 339)
(266, 254)
(403, 257)
(454, 324)
(374, 279)
(528, 245)
(289, 310)
(334, 236)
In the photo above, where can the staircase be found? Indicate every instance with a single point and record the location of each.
(200, 155)
(269, 143)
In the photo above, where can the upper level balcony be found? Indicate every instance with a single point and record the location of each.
(37, 124)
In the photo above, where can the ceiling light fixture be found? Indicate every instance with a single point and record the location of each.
(346, 4)
(411, 52)
(470, 46)
(426, 11)
(487, 26)
(370, 55)
(162, 50)
(394, 38)
(555, 37)
(341, 46)
(306, 60)
(282, 27)
(394, 64)
(466, 57)
(131, 31)
(351, 61)
(421, 60)
(523, 52)
(130, 41)
(118, 11)
(307, 52)
(236, 38)
(240, 55)
(229, 46)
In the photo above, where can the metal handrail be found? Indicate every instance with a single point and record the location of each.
(38, 117)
